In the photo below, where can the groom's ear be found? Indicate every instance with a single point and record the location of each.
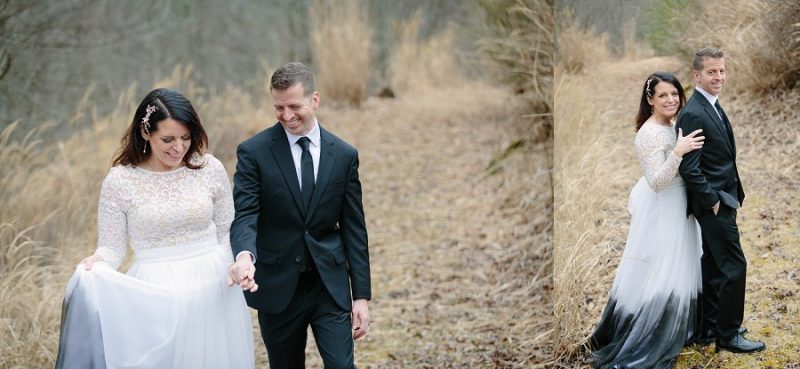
(315, 97)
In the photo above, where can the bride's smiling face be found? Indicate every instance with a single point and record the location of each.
(169, 144)
(665, 100)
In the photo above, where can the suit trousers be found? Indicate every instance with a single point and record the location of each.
(285, 334)
(724, 272)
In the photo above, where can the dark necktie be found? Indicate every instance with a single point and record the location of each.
(725, 121)
(306, 171)
(307, 185)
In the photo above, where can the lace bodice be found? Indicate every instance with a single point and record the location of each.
(162, 209)
(654, 144)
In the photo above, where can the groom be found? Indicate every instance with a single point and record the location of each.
(714, 192)
(299, 234)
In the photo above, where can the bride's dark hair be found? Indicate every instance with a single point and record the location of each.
(649, 88)
(158, 105)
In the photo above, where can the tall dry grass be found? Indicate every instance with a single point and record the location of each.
(418, 64)
(340, 35)
(761, 39)
(584, 238)
(578, 48)
(524, 49)
(632, 46)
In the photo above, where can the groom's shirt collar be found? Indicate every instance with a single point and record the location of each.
(313, 135)
(711, 98)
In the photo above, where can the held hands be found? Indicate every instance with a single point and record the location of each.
(688, 143)
(89, 261)
(360, 318)
(242, 272)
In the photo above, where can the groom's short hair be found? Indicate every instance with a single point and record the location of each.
(704, 53)
(291, 74)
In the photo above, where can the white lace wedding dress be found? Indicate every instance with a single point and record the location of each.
(651, 311)
(173, 308)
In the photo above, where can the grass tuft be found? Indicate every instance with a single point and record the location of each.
(340, 35)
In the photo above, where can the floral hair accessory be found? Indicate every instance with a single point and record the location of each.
(146, 119)
(647, 89)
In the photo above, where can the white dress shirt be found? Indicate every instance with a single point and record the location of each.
(711, 98)
(297, 151)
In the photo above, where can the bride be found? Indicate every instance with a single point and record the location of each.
(651, 310)
(172, 203)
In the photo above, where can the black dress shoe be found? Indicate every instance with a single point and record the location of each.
(739, 344)
(708, 336)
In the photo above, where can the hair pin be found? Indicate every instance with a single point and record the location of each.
(146, 120)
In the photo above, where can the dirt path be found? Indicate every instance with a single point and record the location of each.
(596, 167)
(436, 232)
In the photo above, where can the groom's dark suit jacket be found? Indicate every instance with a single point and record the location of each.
(271, 223)
(710, 173)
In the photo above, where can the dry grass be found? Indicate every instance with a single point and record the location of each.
(340, 34)
(524, 51)
(632, 47)
(577, 48)
(761, 39)
(419, 64)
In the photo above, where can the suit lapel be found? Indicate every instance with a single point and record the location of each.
(712, 113)
(327, 158)
(283, 156)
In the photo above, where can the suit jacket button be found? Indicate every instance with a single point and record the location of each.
(298, 259)
(306, 233)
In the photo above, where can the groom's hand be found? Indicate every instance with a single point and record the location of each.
(242, 272)
(360, 318)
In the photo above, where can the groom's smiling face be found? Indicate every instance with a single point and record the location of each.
(294, 110)
(712, 77)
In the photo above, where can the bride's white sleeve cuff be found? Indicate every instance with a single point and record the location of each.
(110, 256)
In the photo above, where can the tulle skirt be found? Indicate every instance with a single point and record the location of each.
(652, 308)
(173, 309)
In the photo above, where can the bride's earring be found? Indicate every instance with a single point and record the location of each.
(144, 151)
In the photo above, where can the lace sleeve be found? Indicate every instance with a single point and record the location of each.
(658, 166)
(223, 199)
(112, 227)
